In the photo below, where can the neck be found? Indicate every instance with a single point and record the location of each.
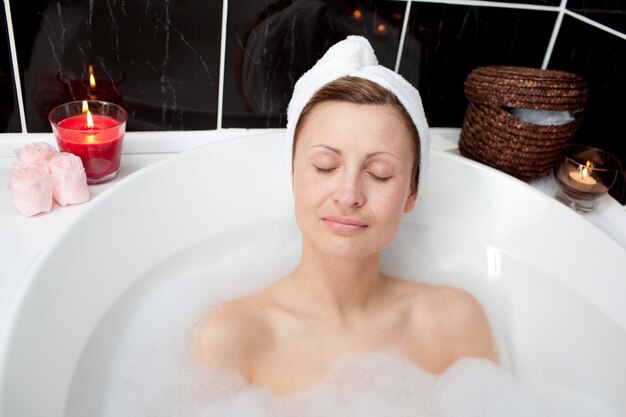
(341, 286)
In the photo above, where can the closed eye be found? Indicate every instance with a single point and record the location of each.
(324, 170)
(379, 179)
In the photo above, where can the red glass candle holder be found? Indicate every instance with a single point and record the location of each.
(583, 175)
(98, 144)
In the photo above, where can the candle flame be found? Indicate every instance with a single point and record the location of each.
(381, 28)
(357, 14)
(85, 107)
(92, 79)
(89, 120)
(585, 170)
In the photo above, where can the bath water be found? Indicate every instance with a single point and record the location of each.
(140, 359)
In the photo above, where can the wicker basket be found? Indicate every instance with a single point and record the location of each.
(493, 136)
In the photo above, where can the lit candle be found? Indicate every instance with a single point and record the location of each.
(582, 174)
(94, 137)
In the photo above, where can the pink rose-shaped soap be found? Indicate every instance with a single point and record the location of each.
(38, 153)
(30, 188)
(69, 181)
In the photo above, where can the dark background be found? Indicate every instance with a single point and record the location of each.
(168, 55)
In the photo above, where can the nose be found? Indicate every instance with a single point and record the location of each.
(349, 192)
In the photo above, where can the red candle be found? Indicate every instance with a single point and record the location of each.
(95, 138)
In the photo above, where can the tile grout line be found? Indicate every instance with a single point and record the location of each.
(497, 5)
(16, 71)
(220, 87)
(595, 24)
(555, 34)
(522, 6)
(405, 25)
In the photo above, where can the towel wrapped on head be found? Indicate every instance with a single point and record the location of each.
(355, 57)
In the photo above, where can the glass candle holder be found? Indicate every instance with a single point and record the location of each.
(92, 130)
(583, 175)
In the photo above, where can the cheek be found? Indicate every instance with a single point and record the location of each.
(305, 187)
(392, 199)
(391, 206)
(308, 195)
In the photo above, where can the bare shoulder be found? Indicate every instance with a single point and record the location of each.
(439, 297)
(455, 303)
(458, 318)
(229, 333)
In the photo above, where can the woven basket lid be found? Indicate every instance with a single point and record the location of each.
(523, 87)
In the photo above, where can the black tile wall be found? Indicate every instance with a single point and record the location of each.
(445, 43)
(268, 47)
(160, 58)
(9, 115)
(611, 13)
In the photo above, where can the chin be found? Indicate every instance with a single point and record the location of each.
(348, 247)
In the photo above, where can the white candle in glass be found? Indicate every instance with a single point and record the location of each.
(582, 174)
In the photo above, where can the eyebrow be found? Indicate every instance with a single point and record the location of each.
(338, 151)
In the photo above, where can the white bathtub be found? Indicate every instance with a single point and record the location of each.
(551, 280)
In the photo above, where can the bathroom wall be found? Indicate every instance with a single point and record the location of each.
(207, 64)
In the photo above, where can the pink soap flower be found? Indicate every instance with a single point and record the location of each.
(31, 189)
(38, 153)
(69, 181)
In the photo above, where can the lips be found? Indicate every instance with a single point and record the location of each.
(344, 224)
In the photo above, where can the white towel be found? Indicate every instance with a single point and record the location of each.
(355, 57)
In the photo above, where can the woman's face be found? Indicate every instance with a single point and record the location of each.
(352, 177)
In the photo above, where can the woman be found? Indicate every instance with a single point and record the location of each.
(360, 143)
